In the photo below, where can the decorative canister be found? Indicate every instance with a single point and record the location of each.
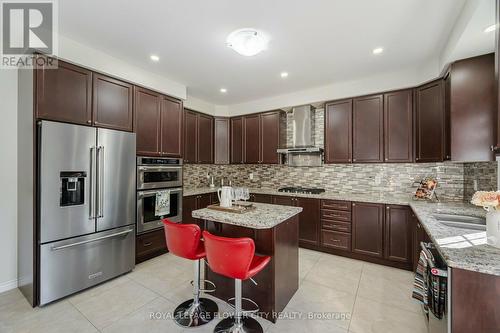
(493, 228)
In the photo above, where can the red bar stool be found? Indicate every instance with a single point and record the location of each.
(184, 240)
(235, 258)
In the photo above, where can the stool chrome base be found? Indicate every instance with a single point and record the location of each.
(190, 315)
(247, 325)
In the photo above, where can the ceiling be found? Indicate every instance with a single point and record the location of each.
(316, 41)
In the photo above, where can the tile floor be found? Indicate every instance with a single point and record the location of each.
(362, 297)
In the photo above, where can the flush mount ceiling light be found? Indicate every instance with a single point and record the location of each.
(223, 90)
(378, 50)
(491, 28)
(284, 75)
(247, 41)
(154, 57)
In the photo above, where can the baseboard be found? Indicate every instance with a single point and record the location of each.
(8, 285)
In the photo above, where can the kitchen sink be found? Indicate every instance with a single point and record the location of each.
(462, 221)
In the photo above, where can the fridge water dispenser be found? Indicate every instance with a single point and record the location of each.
(72, 188)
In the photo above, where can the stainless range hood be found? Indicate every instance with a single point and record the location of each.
(302, 151)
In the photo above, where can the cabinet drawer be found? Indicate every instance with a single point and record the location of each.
(336, 240)
(150, 242)
(336, 205)
(337, 215)
(336, 226)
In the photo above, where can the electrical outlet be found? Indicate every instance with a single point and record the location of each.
(250, 176)
(475, 184)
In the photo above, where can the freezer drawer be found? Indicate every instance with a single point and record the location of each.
(75, 264)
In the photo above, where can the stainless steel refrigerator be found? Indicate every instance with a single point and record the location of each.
(87, 207)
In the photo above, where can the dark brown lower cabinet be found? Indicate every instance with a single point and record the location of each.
(419, 235)
(262, 198)
(149, 245)
(309, 221)
(283, 200)
(195, 202)
(368, 229)
(398, 233)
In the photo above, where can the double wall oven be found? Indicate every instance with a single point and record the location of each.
(155, 175)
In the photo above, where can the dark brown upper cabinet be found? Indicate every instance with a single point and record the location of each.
(430, 138)
(190, 136)
(270, 141)
(471, 98)
(368, 229)
(368, 129)
(252, 137)
(222, 142)
(171, 127)
(338, 132)
(198, 137)
(112, 103)
(236, 140)
(64, 94)
(398, 126)
(398, 234)
(147, 121)
(205, 142)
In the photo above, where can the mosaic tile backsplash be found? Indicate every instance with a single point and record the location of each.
(456, 180)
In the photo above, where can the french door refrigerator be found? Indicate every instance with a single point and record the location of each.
(87, 204)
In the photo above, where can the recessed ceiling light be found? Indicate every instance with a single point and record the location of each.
(223, 90)
(154, 57)
(491, 28)
(247, 41)
(378, 50)
(284, 74)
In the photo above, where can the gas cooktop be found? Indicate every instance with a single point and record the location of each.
(305, 190)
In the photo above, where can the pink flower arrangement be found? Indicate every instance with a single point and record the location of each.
(487, 200)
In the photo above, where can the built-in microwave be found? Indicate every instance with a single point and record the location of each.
(154, 173)
(147, 219)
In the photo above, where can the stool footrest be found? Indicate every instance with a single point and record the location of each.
(245, 312)
(204, 290)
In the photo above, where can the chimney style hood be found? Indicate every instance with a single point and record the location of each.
(302, 151)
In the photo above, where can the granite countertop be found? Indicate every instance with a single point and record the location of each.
(264, 216)
(460, 248)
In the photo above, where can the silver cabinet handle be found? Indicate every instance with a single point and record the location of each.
(100, 184)
(164, 168)
(55, 248)
(92, 185)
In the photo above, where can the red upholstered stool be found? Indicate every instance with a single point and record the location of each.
(235, 258)
(184, 240)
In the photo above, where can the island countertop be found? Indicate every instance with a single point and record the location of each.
(264, 216)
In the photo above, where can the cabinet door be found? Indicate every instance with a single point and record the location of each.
(147, 121)
(205, 144)
(252, 139)
(398, 126)
(430, 132)
(283, 200)
(190, 136)
(367, 229)
(398, 233)
(270, 141)
(237, 140)
(188, 205)
(338, 132)
(221, 129)
(419, 235)
(64, 94)
(171, 127)
(309, 220)
(112, 103)
(262, 198)
(368, 129)
(203, 201)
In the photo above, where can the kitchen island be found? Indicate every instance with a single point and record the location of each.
(275, 231)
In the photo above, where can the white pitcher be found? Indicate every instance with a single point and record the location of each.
(225, 196)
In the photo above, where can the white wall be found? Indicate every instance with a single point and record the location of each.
(8, 179)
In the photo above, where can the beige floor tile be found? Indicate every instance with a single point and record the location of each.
(89, 293)
(388, 291)
(304, 325)
(10, 296)
(394, 274)
(112, 305)
(374, 317)
(156, 316)
(305, 266)
(315, 299)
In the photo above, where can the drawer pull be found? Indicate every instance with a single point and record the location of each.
(147, 244)
(55, 248)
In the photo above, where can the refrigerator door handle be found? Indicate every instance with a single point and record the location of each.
(55, 248)
(92, 193)
(100, 182)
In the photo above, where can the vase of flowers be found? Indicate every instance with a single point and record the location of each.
(490, 201)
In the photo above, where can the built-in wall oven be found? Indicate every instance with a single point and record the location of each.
(155, 176)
